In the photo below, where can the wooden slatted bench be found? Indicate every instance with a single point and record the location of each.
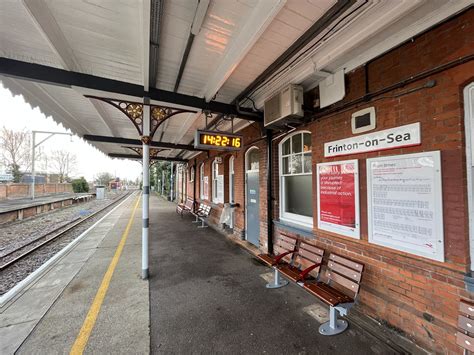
(201, 214)
(339, 292)
(185, 207)
(307, 263)
(465, 336)
(284, 248)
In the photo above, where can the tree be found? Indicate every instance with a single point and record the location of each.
(80, 185)
(64, 163)
(15, 149)
(103, 178)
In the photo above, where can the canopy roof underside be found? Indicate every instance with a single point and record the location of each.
(159, 44)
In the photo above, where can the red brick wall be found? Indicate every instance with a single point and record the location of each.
(23, 190)
(418, 296)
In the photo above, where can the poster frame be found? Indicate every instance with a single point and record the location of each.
(437, 208)
(334, 228)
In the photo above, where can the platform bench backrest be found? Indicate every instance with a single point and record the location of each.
(464, 337)
(285, 244)
(344, 274)
(206, 209)
(307, 256)
(190, 204)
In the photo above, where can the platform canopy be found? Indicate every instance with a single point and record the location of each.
(214, 58)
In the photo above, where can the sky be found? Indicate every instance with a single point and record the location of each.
(17, 115)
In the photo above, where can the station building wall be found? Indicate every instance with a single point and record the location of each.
(417, 296)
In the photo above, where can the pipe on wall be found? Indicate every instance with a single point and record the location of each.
(269, 192)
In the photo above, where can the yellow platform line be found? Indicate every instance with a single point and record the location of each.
(86, 330)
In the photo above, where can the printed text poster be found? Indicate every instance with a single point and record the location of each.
(405, 203)
(338, 198)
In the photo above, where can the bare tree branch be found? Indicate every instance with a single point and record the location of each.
(64, 163)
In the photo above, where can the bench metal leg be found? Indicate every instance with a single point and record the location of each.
(196, 220)
(277, 280)
(202, 224)
(333, 326)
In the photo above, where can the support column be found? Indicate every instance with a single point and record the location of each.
(146, 189)
(171, 183)
(33, 175)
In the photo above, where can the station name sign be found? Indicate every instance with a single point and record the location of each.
(399, 137)
(217, 140)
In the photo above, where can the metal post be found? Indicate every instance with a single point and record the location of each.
(146, 188)
(162, 182)
(171, 183)
(33, 166)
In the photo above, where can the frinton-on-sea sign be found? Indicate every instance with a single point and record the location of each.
(399, 137)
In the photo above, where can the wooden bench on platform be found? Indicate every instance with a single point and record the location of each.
(306, 265)
(188, 206)
(464, 337)
(339, 292)
(284, 248)
(201, 214)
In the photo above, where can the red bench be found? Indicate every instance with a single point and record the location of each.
(185, 207)
(306, 264)
(464, 337)
(284, 248)
(339, 291)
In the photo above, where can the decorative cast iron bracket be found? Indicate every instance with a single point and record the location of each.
(139, 150)
(134, 111)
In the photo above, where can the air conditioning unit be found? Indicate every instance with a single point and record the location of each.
(284, 107)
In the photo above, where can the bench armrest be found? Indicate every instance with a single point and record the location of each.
(281, 256)
(306, 271)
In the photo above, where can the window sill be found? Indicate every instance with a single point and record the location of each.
(306, 232)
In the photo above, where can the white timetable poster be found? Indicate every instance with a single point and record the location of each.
(404, 201)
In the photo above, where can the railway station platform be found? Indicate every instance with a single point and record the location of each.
(205, 294)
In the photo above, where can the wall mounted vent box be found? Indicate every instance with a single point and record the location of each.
(284, 107)
(363, 120)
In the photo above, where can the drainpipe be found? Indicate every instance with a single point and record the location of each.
(269, 193)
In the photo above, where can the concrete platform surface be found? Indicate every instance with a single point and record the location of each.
(20, 203)
(208, 296)
(48, 316)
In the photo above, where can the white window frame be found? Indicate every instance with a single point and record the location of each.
(304, 221)
(201, 181)
(215, 181)
(231, 173)
(191, 174)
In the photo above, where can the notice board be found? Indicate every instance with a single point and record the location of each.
(338, 197)
(404, 200)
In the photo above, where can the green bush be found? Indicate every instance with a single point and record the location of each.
(80, 185)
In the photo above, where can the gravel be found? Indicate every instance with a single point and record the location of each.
(18, 233)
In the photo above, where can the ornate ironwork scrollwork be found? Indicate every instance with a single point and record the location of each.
(134, 111)
(153, 151)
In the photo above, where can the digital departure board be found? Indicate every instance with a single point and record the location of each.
(217, 140)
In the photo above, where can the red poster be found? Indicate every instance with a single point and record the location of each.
(338, 197)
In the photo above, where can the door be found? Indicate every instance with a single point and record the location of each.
(252, 196)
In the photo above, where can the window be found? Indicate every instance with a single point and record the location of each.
(201, 182)
(191, 174)
(217, 184)
(231, 179)
(296, 183)
(252, 160)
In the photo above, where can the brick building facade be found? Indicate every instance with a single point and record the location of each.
(418, 296)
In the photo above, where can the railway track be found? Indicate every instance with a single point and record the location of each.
(50, 236)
